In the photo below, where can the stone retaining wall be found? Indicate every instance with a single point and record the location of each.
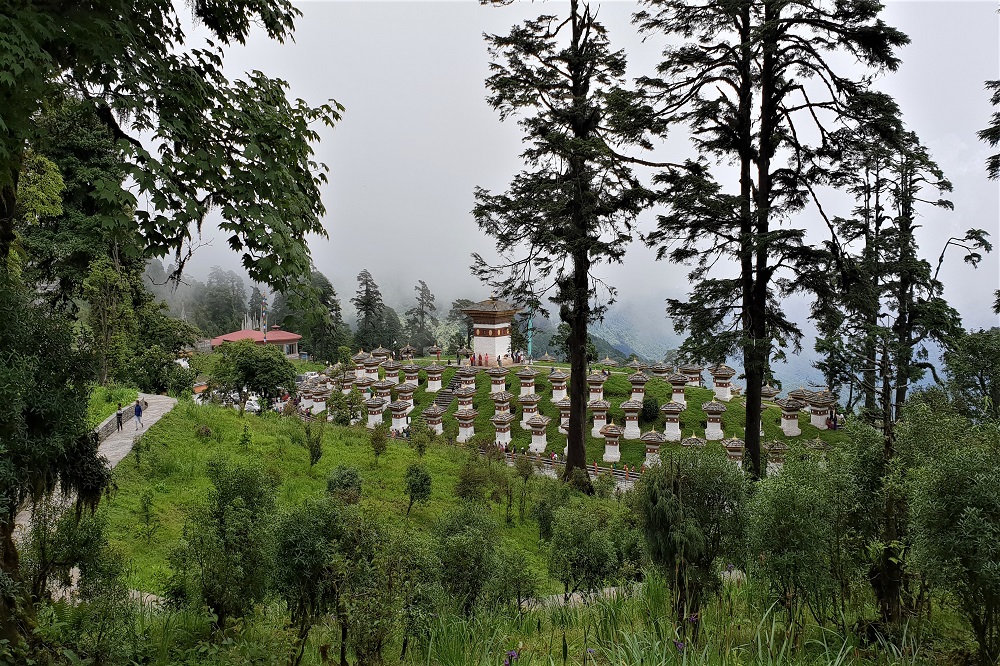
(110, 424)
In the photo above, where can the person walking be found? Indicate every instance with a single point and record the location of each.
(138, 414)
(118, 416)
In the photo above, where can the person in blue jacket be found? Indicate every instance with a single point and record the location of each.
(138, 414)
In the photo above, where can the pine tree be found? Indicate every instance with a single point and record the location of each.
(575, 204)
(254, 305)
(419, 318)
(753, 80)
(371, 312)
(879, 304)
(991, 135)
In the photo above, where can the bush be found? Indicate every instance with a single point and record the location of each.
(513, 581)
(650, 409)
(524, 469)
(551, 496)
(956, 535)
(473, 480)
(790, 537)
(344, 483)
(203, 431)
(693, 511)
(224, 559)
(246, 439)
(605, 485)
(466, 546)
(582, 554)
(314, 441)
(421, 436)
(379, 440)
(308, 538)
(418, 485)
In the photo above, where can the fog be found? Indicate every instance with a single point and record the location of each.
(417, 137)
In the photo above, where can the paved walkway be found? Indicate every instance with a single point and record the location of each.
(117, 445)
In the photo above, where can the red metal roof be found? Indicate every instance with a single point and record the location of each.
(274, 337)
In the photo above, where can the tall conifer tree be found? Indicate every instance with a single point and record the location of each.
(420, 318)
(371, 312)
(574, 205)
(754, 81)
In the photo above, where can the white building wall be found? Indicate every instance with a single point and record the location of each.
(496, 346)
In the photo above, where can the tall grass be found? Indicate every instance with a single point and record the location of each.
(637, 628)
(104, 401)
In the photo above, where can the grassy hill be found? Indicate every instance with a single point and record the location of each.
(172, 462)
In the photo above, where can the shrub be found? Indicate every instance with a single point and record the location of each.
(956, 535)
(224, 558)
(379, 440)
(314, 441)
(791, 538)
(693, 511)
(308, 538)
(524, 468)
(605, 485)
(513, 582)
(344, 483)
(473, 480)
(203, 431)
(418, 485)
(551, 496)
(582, 554)
(650, 409)
(466, 546)
(421, 436)
(245, 439)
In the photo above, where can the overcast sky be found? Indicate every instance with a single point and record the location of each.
(417, 137)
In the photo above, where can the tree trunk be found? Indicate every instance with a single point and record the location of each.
(343, 641)
(8, 203)
(576, 454)
(11, 620)
(578, 314)
(753, 369)
(887, 571)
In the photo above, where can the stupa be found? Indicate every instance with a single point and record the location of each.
(612, 434)
(631, 409)
(491, 320)
(713, 411)
(558, 380)
(375, 406)
(672, 412)
(693, 373)
(433, 417)
(529, 407)
(790, 408)
(721, 381)
(434, 373)
(638, 382)
(526, 376)
(537, 424)
(466, 424)
(653, 440)
(599, 408)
